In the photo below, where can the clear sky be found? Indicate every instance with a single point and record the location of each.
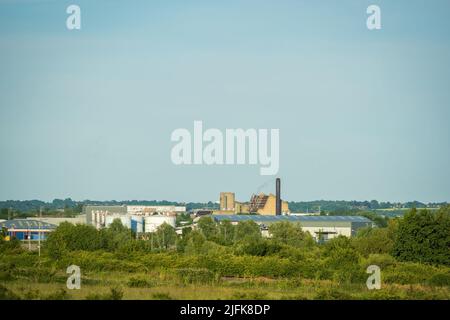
(88, 114)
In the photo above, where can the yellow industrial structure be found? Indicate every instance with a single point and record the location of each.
(259, 204)
(227, 202)
(266, 205)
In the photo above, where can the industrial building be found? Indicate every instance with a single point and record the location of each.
(164, 210)
(96, 215)
(141, 224)
(261, 203)
(320, 227)
(227, 201)
(27, 229)
(132, 217)
(266, 204)
(81, 219)
(151, 223)
(140, 219)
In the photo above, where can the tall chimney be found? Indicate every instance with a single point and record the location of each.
(278, 197)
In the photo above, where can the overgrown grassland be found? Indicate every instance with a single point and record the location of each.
(223, 261)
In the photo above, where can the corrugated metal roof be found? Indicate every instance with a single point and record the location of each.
(260, 218)
(26, 224)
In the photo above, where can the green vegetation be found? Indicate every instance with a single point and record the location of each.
(226, 261)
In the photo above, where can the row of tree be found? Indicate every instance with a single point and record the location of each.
(420, 236)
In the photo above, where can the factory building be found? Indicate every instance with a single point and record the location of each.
(149, 210)
(227, 202)
(321, 228)
(142, 224)
(81, 219)
(137, 218)
(102, 216)
(267, 205)
(259, 203)
(27, 229)
(151, 223)
(96, 215)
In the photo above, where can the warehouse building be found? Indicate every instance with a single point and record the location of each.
(321, 228)
(27, 229)
(81, 219)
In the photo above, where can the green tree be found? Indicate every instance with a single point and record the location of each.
(208, 228)
(116, 236)
(226, 233)
(424, 236)
(194, 243)
(343, 260)
(375, 240)
(165, 236)
(247, 231)
(290, 234)
(69, 237)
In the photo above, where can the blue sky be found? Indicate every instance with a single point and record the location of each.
(88, 114)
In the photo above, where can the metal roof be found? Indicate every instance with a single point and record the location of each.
(260, 218)
(26, 224)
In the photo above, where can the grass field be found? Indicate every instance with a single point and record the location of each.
(163, 286)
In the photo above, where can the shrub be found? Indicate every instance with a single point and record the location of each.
(249, 296)
(381, 260)
(196, 276)
(258, 247)
(60, 294)
(374, 241)
(408, 273)
(439, 279)
(6, 294)
(423, 236)
(343, 263)
(161, 296)
(6, 275)
(139, 283)
(115, 294)
(332, 294)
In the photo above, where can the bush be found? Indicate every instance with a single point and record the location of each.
(408, 273)
(196, 276)
(115, 294)
(249, 296)
(381, 260)
(12, 246)
(161, 296)
(258, 247)
(374, 241)
(139, 283)
(6, 294)
(439, 280)
(423, 236)
(332, 294)
(60, 294)
(5, 274)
